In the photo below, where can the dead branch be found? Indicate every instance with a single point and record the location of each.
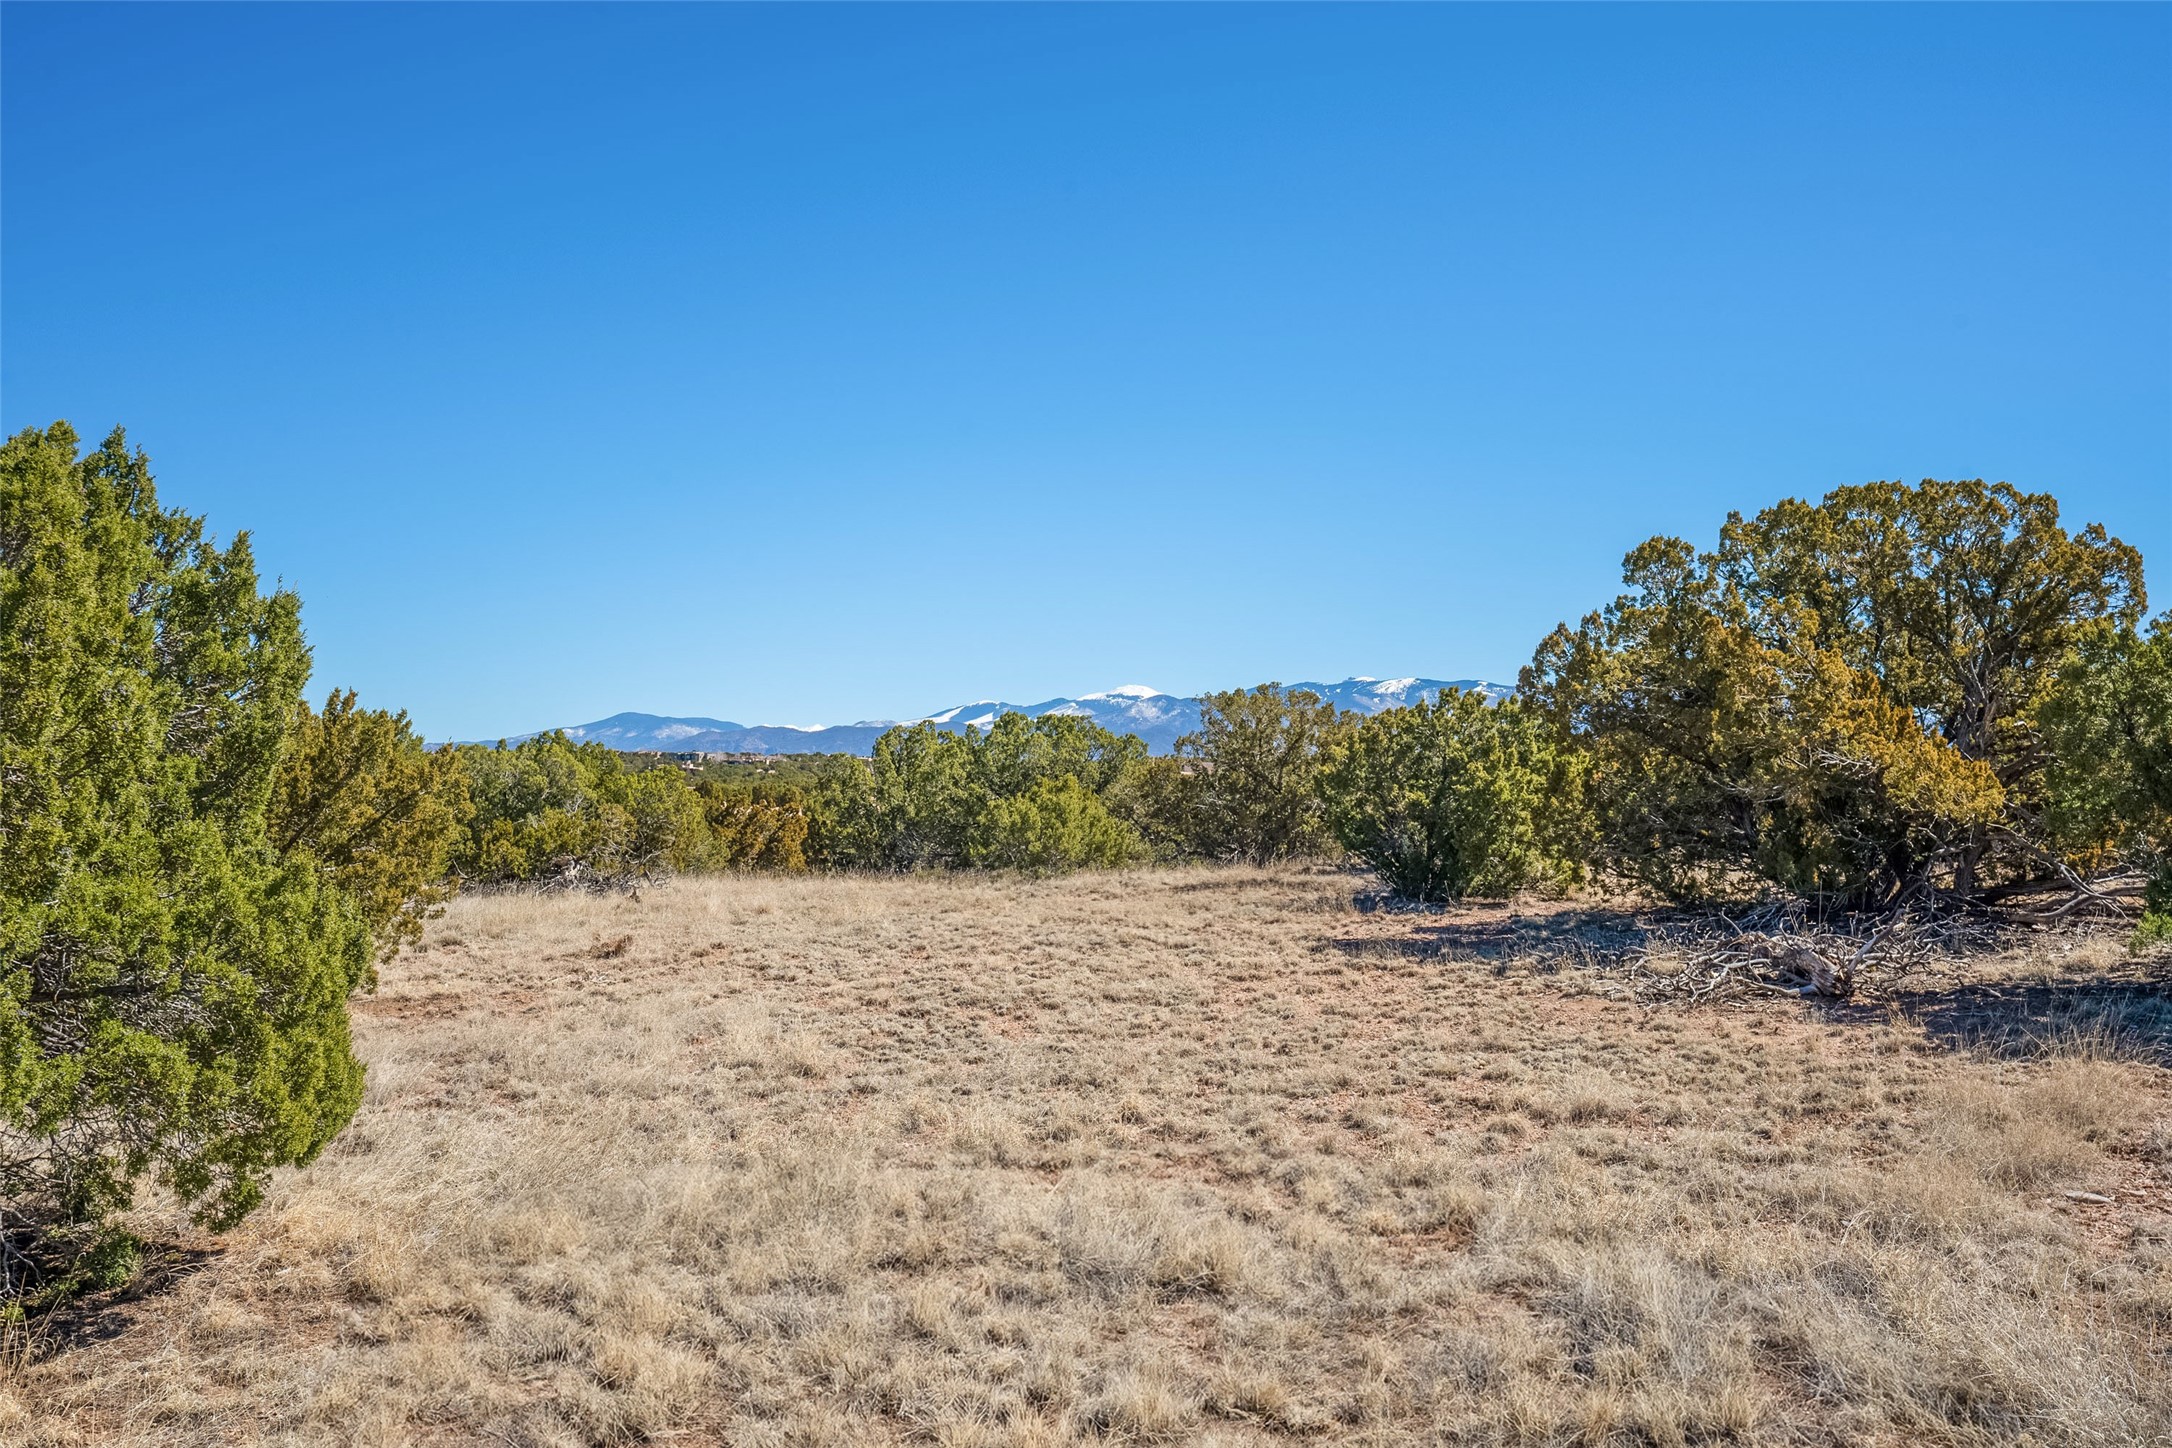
(1773, 949)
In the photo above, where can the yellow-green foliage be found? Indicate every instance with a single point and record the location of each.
(1838, 699)
(360, 795)
(755, 827)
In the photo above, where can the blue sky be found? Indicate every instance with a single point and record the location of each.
(814, 364)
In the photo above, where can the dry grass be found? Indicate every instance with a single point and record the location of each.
(1183, 1157)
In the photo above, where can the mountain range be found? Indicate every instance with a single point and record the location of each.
(1159, 719)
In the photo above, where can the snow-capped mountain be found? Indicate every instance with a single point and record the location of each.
(649, 731)
(1159, 719)
(633, 733)
(1370, 696)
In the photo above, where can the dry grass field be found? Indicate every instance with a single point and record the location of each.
(1186, 1156)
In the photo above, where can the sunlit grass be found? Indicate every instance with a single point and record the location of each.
(1190, 1156)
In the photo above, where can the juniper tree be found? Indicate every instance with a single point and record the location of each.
(1159, 798)
(1450, 798)
(1056, 826)
(758, 826)
(2107, 727)
(173, 989)
(921, 799)
(359, 793)
(547, 803)
(1253, 764)
(1838, 700)
(1016, 754)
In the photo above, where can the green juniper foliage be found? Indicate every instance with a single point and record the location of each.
(1837, 700)
(919, 801)
(1449, 799)
(1057, 825)
(2107, 732)
(1160, 800)
(547, 805)
(173, 990)
(932, 799)
(1253, 768)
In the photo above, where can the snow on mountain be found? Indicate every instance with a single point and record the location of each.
(980, 711)
(1157, 718)
(1370, 696)
(640, 732)
(647, 731)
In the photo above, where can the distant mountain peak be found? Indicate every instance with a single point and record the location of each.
(1157, 718)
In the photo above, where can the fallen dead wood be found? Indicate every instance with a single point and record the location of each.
(568, 874)
(1774, 951)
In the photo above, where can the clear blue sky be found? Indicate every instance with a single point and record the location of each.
(811, 364)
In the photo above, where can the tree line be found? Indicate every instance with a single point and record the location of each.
(1892, 692)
